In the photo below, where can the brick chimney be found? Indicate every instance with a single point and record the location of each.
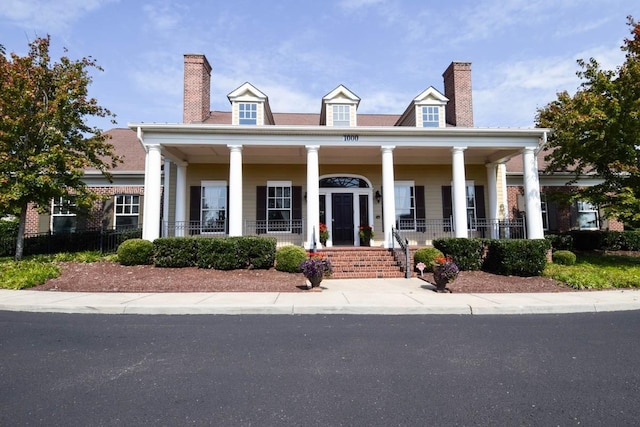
(197, 89)
(457, 87)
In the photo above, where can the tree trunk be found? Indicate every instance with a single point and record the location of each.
(21, 226)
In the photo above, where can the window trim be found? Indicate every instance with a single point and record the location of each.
(412, 208)
(544, 209)
(279, 184)
(115, 209)
(579, 204)
(64, 204)
(250, 115)
(424, 113)
(346, 110)
(213, 184)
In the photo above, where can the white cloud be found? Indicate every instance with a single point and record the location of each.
(51, 16)
(357, 4)
(165, 16)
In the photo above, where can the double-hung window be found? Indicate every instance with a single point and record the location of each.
(213, 206)
(248, 113)
(279, 206)
(63, 218)
(127, 209)
(587, 216)
(545, 212)
(404, 193)
(430, 116)
(471, 206)
(341, 115)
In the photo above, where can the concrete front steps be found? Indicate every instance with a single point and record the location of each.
(362, 263)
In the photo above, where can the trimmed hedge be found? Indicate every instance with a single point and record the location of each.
(256, 252)
(560, 242)
(175, 252)
(426, 256)
(564, 258)
(135, 252)
(288, 258)
(517, 257)
(466, 253)
(236, 253)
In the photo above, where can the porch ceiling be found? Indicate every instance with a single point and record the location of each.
(334, 155)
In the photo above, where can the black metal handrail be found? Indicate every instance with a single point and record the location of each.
(401, 254)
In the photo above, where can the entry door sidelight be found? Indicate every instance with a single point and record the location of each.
(342, 218)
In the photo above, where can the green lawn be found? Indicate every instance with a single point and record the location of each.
(596, 271)
(34, 271)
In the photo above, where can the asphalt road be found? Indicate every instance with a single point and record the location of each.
(91, 370)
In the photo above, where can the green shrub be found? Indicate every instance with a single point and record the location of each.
(175, 252)
(631, 240)
(288, 258)
(560, 242)
(426, 256)
(27, 273)
(467, 253)
(233, 253)
(135, 252)
(587, 240)
(517, 257)
(564, 257)
(257, 252)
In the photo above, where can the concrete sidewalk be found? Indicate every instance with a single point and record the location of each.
(352, 296)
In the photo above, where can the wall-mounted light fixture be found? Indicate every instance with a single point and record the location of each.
(378, 196)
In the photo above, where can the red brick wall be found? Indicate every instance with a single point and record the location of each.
(197, 89)
(457, 87)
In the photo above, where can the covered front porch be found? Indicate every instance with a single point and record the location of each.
(286, 182)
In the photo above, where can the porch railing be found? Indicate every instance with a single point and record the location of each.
(400, 249)
(498, 228)
(423, 231)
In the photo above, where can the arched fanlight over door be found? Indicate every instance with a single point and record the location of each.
(343, 182)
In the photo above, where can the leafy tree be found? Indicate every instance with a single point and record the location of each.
(45, 143)
(597, 131)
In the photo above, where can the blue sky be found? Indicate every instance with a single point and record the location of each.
(296, 51)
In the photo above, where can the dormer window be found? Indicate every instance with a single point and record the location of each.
(249, 106)
(339, 108)
(430, 116)
(341, 115)
(248, 113)
(425, 111)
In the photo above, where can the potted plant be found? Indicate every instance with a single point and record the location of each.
(445, 271)
(366, 234)
(324, 234)
(314, 268)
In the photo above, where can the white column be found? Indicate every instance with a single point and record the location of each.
(235, 190)
(165, 197)
(152, 190)
(181, 200)
(388, 195)
(313, 198)
(533, 210)
(503, 202)
(459, 193)
(492, 184)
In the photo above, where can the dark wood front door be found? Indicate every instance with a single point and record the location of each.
(342, 217)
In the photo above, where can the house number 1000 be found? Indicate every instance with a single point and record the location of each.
(350, 137)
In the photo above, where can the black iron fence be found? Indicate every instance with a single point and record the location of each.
(102, 240)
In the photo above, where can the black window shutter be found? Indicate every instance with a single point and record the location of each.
(261, 209)
(447, 208)
(421, 212)
(480, 211)
(296, 209)
(552, 215)
(194, 209)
